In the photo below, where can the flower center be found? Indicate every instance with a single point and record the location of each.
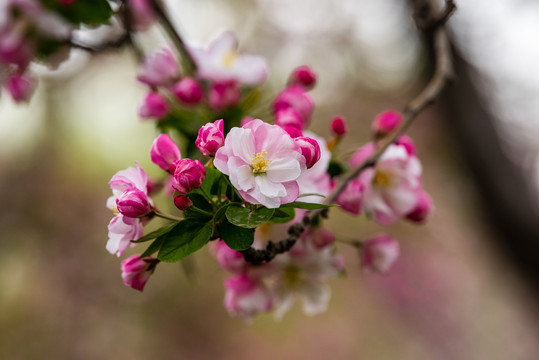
(382, 179)
(259, 164)
(229, 58)
(292, 275)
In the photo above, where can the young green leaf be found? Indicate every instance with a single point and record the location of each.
(247, 218)
(237, 238)
(283, 215)
(154, 234)
(187, 237)
(305, 205)
(154, 247)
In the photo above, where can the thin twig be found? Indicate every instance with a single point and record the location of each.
(441, 77)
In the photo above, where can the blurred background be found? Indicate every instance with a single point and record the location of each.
(466, 285)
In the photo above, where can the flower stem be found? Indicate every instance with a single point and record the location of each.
(167, 217)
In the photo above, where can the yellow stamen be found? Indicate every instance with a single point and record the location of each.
(229, 58)
(259, 164)
(382, 179)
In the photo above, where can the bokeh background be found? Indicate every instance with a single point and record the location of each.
(462, 288)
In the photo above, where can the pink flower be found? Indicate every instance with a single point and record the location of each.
(289, 117)
(320, 236)
(350, 198)
(263, 163)
(142, 14)
(338, 126)
(228, 259)
(294, 132)
(303, 75)
(245, 297)
(182, 202)
(133, 203)
(122, 230)
(154, 106)
(20, 86)
(316, 179)
(164, 151)
(309, 149)
(224, 94)
(127, 179)
(408, 143)
(220, 61)
(295, 97)
(386, 122)
(391, 186)
(210, 138)
(188, 175)
(136, 271)
(379, 254)
(160, 69)
(423, 208)
(188, 91)
(362, 154)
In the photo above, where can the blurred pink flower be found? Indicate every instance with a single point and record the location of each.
(378, 254)
(246, 297)
(136, 271)
(295, 97)
(303, 75)
(160, 69)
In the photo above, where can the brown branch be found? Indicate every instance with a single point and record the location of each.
(441, 77)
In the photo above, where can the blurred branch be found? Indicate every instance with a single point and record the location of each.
(431, 22)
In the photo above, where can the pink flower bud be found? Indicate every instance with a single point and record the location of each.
(386, 122)
(142, 14)
(351, 197)
(246, 297)
(20, 86)
(160, 69)
(408, 143)
(136, 271)
(338, 126)
(309, 149)
(133, 203)
(164, 151)
(296, 97)
(245, 120)
(210, 138)
(289, 117)
(182, 202)
(224, 94)
(423, 208)
(293, 131)
(188, 91)
(362, 154)
(303, 75)
(154, 106)
(322, 237)
(228, 259)
(188, 175)
(379, 254)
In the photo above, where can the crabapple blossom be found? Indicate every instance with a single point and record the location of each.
(220, 61)
(188, 91)
(289, 117)
(309, 149)
(338, 126)
(160, 69)
(228, 259)
(154, 106)
(378, 254)
(224, 94)
(210, 138)
(295, 97)
(294, 132)
(133, 203)
(350, 198)
(122, 230)
(188, 175)
(362, 154)
(136, 271)
(246, 297)
(423, 208)
(164, 151)
(303, 75)
(263, 163)
(127, 179)
(182, 202)
(20, 86)
(142, 14)
(408, 143)
(386, 122)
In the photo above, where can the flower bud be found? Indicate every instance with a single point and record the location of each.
(294, 132)
(210, 138)
(289, 117)
(309, 149)
(224, 94)
(322, 237)
(228, 259)
(423, 208)
(182, 202)
(351, 197)
(245, 120)
(379, 254)
(303, 75)
(154, 106)
(160, 69)
(408, 143)
(133, 203)
(164, 151)
(136, 271)
(188, 91)
(296, 97)
(338, 126)
(20, 87)
(386, 122)
(188, 175)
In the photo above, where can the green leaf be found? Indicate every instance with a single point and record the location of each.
(283, 215)
(246, 218)
(154, 247)
(212, 175)
(311, 194)
(154, 234)
(335, 168)
(220, 213)
(187, 237)
(200, 201)
(90, 12)
(237, 238)
(305, 205)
